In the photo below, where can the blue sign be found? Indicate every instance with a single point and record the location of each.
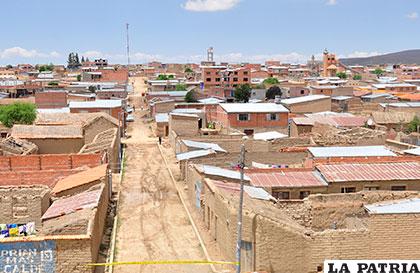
(28, 257)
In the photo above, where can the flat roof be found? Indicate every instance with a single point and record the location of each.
(162, 117)
(253, 108)
(43, 131)
(304, 99)
(353, 151)
(194, 154)
(269, 135)
(370, 171)
(96, 104)
(395, 207)
(203, 145)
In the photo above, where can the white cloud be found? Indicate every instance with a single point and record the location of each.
(361, 54)
(19, 52)
(331, 2)
(209, 5)
(412, 16)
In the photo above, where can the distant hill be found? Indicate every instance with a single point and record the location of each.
(402, 57)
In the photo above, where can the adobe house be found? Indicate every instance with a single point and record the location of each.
(308, 104)
(185, 124)
(252, 117)
(113, 108)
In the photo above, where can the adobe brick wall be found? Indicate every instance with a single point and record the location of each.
(20, 205)
(184, 126)
(51, 99)
(58, 146)
(99, 126)
(311, 106)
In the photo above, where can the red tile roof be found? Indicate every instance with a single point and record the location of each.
(286, 179)
(370, 172)
(84, 200)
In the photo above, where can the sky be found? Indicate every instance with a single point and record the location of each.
(44, 31)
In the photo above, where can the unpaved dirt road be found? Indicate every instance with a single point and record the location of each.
(153, 225)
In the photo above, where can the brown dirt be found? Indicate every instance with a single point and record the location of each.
(153, 225)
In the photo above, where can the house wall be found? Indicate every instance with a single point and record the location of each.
(114, 112)
(58, 146)
(51, 99)
(96, 127)
(184, 126)
(412, 185)
(311, 106)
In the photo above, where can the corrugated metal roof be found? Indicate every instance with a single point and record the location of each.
(253, 192)
(213, 170)
(415, 151)
(341, 98)
(395, 207)
(353, 151)
(303, 99)
(287, 179)
(210, 101)
(370, 172)
(162, 117)
(168, 93)
(187, 111)
(84, 200)
(269, 136)
(203, 145)
(184, 115)
(96, 104)
(253, 108)
(194, 154)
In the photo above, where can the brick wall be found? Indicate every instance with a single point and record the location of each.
(56, 99)
(311, 106)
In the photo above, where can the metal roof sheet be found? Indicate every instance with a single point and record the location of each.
(370, 172)
(269, 136)
(415, 151)
(395, 207)
(96, 104)
(213, 170)
(162, 117)
(203, 145)
(253, 108)
(187, 111)
(281, 179)
(194, 154)
(304, 99)
(353, 151)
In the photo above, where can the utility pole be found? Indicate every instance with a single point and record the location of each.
(128, 45)
(241, 202)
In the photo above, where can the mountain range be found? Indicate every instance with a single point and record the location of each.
(402, 57)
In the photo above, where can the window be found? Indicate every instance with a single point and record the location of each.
(235, 73)
(348, 189)
(243, 117)
(302, 92)
(208, 73)
(272, 117)
(249, 132)
(245, 79)
(371, 188)
(304, 194)
(283, 195)
(208, 80)
(398, 188)
(217, 79)
(235, 79)
(245, 72)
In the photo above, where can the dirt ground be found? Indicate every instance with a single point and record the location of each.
(153, 225)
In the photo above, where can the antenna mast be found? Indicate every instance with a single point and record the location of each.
(128, 45)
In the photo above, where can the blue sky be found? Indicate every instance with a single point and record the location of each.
(41, 31)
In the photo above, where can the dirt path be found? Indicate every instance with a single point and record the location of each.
(153, 225)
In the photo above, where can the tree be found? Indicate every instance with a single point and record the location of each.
(271, 81)
(260, 86)
(378, 71)
(17, 113)
(243, 92)
(73, 61)
(162, 77)
(272, 92)
(48, 67)
(342, 75)
(83, 59)
(414, 125)
(188, 70)
(79, 78)
(9, 66)
(190, 97)
(53, 83)
(357, 77)
(180, 87)
(92, 88)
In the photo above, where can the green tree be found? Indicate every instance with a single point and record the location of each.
(342, 75)
(378, 71)
(92, 89)
(171, 77)
(414, 125)
(188, 70)
(79, 78)
(162, 77)
(272, 92)
(180, 87)
(357, 77)
(17, 113)
(271, 81)
(243, 92)
(190, 97)
(53, 83)
(9, 66)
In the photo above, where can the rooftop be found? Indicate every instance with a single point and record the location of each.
(353, 151)
(216, 171)
(253, 108)
(287, 179)
(268, 136)
(194, 154)
(96, 104)
(42, 132)
(395, 207)
(303, 99)
(371, 172)
(203, 145)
